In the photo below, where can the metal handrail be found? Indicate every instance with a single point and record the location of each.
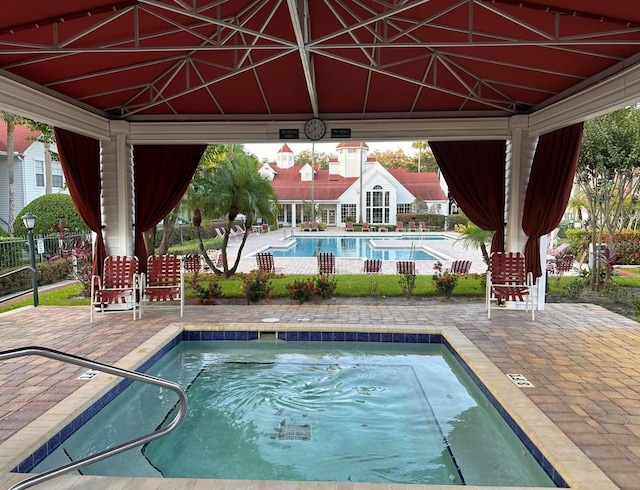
(98, 366)
(25, 268)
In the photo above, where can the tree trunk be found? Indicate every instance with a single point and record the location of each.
(11, 177)
(149, 237)
(169, 228)
(48, 174)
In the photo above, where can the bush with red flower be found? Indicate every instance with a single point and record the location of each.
(443, 280)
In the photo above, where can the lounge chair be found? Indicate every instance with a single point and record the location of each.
(365, 226)
(192, 263)
(326, 263)
(412, 226)
(399, 226)
(422, 226)
(120, 283)
(164, 281)
(306, 226)
(219, 233)
(507, 280)
(349, 226)
(564, 264)
(406, 267)
(314, 226)
(460, 266)
(265, 228)
(265, 262)
(372, 266)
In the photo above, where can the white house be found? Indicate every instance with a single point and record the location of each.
(28, 170)
(352, 184)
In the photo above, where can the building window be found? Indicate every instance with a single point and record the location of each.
(57, 179)
(39, 168)
(352, 150)
(347, 212)
(404, 208)
(282, 213)
(378, 205)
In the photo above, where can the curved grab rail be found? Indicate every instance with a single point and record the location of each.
(98, 366)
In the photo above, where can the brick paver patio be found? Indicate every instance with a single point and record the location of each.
(582, 359)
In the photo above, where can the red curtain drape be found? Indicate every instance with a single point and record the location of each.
(552, 173)
(162, 174)
(80, 160)
(475, 173)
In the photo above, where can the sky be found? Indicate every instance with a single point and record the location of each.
(269, 150)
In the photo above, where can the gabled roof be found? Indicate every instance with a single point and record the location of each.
(424, 185)
(352, 144)
(327, 187)
(285, 149)
(20, 137)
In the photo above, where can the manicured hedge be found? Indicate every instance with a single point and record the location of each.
(48, 273)
(49, 210)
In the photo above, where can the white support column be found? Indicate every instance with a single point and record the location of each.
(117, 190)
(293, 215)
(520, 152)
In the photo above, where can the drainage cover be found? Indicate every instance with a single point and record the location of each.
(293, 432)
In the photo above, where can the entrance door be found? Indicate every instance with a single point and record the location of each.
(332, 217)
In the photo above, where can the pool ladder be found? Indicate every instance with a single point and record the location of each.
(105, 368)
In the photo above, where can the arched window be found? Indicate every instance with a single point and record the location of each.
(377, 210)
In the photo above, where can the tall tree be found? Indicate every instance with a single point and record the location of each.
(607, 172)
(12, 120)
(321, 158)
(227, 184)
(47, 138)
(392, 158)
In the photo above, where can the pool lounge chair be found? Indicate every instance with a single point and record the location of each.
(306, 226)
(349, 226)
(326, 263)
(365, 226)
(507, 280)
(120, 283)
(412, 226)
(265, 262)
(265, 228)
(406, 267)
(399, 226)
(372, 266)
(460, 266)
(422, 226)
(314, 226)
(164, 281)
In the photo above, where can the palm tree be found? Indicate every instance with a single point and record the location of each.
(229, 186)
(473, 236)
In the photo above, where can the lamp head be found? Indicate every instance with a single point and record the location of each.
(29, 221)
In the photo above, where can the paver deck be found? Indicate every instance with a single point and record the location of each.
(583, 360)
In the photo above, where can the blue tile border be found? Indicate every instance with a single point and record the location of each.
(546, 465)
(55, 441)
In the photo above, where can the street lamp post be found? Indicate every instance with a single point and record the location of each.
(29, 221)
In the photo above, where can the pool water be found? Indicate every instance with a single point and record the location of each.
(313, 411)
(351, 247)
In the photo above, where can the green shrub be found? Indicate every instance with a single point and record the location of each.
(324, 286)
(407, 283)
(257, 286)
(444, 281)
(456, 219)
(49, 210)
(48, 273)
(432, 221)
(574, 289)
(209, 294)
(301, 290)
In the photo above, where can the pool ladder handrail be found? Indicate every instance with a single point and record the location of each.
(98, 366)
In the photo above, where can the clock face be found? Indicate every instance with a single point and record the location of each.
(315, 129)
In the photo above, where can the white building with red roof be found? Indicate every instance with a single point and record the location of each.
(353, 184)
(28, 170)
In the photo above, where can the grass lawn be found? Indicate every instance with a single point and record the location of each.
(356, 285)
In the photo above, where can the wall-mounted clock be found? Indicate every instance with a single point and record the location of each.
(315, 129)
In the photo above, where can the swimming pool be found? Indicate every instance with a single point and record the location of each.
(384, 248)
(304, 410)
